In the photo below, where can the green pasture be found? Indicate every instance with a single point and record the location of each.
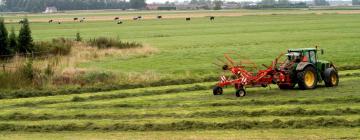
(191, 47)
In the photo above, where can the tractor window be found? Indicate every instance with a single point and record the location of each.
(293, 56)
(312, 57)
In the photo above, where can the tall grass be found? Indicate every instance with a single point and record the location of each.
(104, 43)
(58, 46)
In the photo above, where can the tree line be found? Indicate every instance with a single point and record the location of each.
(40, 5)
(11, 44)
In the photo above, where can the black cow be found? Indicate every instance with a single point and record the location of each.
(212, 18)
(50, 21)
(75, 19)
(139, 17)
(116, 18)
(159, 17)
(188, 19)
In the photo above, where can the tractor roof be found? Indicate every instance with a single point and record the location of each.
(302, 49)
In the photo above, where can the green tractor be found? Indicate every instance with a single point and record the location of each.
(304, 68)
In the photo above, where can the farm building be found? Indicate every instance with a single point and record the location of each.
(50, 10)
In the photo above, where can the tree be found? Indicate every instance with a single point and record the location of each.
(355, 2)
(320, 2)
(25, 41)
(4, 40)
(218, 4)
(13, 41)
(137, 4)
(268, 2)
(284, 2)
(194, 2)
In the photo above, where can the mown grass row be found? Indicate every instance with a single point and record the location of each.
(26, 93)
(202, 114)
(164, 82)
(253, 102)
(118, 95)
(143, 93)
(187, 125)
(347, 99)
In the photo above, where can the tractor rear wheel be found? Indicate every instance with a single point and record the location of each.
(331, 77)
(240, 92)
(217, 90)
(307, 79)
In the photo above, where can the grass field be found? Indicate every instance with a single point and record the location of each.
(192, 47)
(190, 111)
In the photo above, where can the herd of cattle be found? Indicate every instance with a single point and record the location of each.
(117, 19)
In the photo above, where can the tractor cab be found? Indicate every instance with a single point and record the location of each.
(302, 55)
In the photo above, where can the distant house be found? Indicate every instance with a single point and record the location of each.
(152, 6)
(231, 5)
(50, 10)
(340, 3)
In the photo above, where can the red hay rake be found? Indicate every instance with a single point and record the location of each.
(245, 75)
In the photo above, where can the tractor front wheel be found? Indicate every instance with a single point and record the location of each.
(307, 79)
(217, 90)
(240, 92)
(331, 77)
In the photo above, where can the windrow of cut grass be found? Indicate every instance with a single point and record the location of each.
(26, 93)
(187, 125)
(298, 111)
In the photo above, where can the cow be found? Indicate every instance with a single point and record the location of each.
(139, 17)
(75, 19)
(212, 18)
(116, 18)
(50, 21)
(159, 17)
(187, 19)
(135, 18)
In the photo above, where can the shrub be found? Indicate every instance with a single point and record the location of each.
(104, 43)
(96, 77)
(27, 70)
(78, 37)
(59, 46)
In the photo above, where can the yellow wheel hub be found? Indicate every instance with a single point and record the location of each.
(333, 79)
(309, 78)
